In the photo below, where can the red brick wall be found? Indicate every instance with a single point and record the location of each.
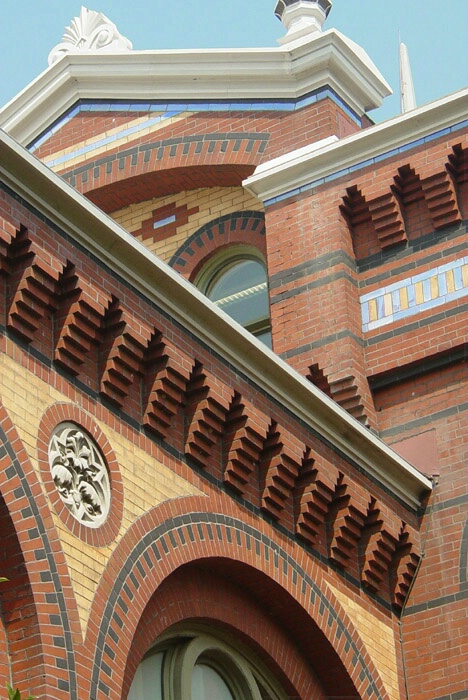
(400, 218)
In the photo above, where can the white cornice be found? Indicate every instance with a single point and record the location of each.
(99, 234)
(323, 159)
(279, 72)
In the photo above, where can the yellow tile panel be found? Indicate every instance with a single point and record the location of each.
(378, 638)
(450, 281)
(418, 290)
(465, 275)
(404, 303)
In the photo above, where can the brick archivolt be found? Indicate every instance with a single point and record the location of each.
(157, 546)
(115, 350)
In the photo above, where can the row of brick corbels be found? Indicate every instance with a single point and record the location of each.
(385, 214)
(223, 433)
(355, 528)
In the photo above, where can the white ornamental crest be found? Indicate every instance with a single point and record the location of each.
(80, 474)
(91, 31)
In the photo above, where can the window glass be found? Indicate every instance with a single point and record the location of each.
(207, 684)
(147, 683)
(240, 289)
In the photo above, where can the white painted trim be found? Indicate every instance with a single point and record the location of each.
(115, 247)
(278, 72)
(301, 167)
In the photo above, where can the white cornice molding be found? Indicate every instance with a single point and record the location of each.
(278, 72)
(111, 244)
(322, 159)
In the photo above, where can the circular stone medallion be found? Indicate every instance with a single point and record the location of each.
(80, 474)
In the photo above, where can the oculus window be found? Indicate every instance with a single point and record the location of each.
(236, 281)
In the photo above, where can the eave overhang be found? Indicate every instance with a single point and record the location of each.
(111, 244)
(332, 158)
(290, 71)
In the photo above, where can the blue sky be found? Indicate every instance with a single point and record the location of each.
(434, 31)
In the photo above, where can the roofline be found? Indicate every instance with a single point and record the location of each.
(289, 71)
(114, 246)
(331, 158)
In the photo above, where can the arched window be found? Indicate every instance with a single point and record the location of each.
(236, 281)
(199, 666)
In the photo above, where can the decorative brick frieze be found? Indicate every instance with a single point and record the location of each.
(125, 340)
(378, 217)
(208, 403)
(80, 315)
(167, 373)
(281, 462)
(150, 371)
(393, 212)
(244, 438)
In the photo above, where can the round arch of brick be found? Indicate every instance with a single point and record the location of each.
(184, 532)
(46, 573)
(65, 412)
(242, 227)
(199, 596)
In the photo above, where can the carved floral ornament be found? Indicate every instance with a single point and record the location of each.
(91, 31)
(80, 474)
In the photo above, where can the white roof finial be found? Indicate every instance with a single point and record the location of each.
(301, 17)
(407, 96)
(91, 31)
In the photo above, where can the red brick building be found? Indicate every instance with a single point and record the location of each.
(234, 378)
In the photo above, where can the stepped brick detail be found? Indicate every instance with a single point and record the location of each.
(315, 489)
(457, 165)
(246, 432)
(383, 534)
(7, 236)
(350, 511)
(281, 461)
(405, 565)
(441, 199)
(346, 393)
(380, 216)
(387, 220)
(82, 308)
(126, 340)
(317, 377)
(168, 371)
(32, 286)
(207, 407)
(407, 186)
